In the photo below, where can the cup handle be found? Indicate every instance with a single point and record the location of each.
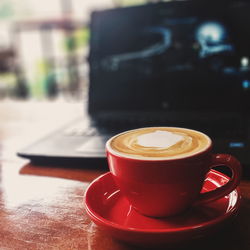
(235, 166)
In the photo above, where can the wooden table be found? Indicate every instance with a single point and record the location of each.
(41, 207)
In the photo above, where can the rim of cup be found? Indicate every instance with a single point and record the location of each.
(133, 157)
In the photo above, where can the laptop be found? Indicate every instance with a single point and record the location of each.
(180, 63)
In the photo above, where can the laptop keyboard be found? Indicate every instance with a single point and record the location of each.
(228, 129)
(80, 130)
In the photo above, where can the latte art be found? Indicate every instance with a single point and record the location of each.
(159, 139)
(160, 142)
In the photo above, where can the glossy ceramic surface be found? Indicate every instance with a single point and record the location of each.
(109, 209)
(179, 179)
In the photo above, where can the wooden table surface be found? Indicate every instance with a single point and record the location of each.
(41, 207)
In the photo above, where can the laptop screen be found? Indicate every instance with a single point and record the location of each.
(171, 56)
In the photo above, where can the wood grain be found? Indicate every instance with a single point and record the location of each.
(41, 207)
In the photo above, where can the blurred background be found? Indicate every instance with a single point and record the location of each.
(44, 47)
(44, 68)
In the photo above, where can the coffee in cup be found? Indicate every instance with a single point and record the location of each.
(160, 142)
(161, 170)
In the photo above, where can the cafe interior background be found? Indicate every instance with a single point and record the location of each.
(43, 65)
(44, 46)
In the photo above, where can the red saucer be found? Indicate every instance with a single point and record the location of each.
(109, 209)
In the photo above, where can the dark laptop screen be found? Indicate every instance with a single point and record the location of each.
(173, 56)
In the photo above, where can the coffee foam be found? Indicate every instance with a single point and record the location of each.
(159, 139)
(159, 142)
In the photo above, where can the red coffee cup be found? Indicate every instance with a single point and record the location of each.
(168, 186)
